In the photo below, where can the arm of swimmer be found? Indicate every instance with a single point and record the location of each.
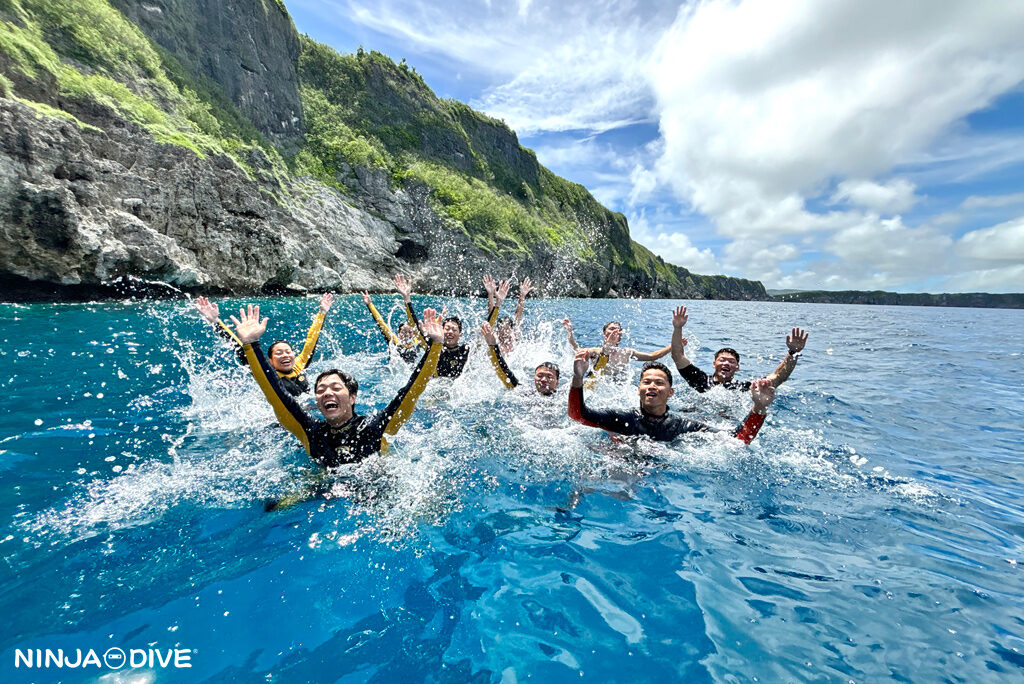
(288, 411)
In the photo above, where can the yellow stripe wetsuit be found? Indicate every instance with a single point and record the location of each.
(360, 436)
(453, 359)
(294, 382)
(408, 352)
(505, 374)
(597, 371)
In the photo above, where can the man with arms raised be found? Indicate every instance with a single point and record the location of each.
(545, 376)
(727, 360)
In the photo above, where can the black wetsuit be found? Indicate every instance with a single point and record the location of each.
(702, 382)
(504, 373)
(452, 361)
(361, 436)
(295, 381)
(664, 428)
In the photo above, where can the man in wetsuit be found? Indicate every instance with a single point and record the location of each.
(545, 376)
(727, 360)
(610, 358)
(408, 338)
(653, 418)
(291, 368)
(508, 330)
(343, 436)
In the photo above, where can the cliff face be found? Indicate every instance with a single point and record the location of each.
(205, 145)
(979, 300)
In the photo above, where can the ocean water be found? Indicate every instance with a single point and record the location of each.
(873, 531)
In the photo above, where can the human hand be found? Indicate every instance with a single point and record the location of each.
(248, 325)
(488, 333)
(208, 310)
(679, 317)
(502, 292)
(525, 288)
(567, 324)
(796, 341)
(366, 297)
(580, 365)
(430, 326)
(489, 285)
(325, 302)
(404, 287)
(762, 391)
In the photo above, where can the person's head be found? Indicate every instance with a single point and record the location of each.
(727, 362)
(406, 333)
(281, 356)
(545, 378)
(655, 387)
(335, 392)
(452, 331)
(612, 332)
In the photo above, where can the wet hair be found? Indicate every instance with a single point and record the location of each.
(503, 319)
(728, 350)
(605, 328)
(550, 366)
(270, 349)
(454, 319)
(654, 365)
(351, 384)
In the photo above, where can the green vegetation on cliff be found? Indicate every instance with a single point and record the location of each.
(981, 300)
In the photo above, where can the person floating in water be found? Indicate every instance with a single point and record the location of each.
(727, 360)
(408, 341)
(545, 376)
(342, 436)
(610, 358)
(508, 330)
(653, 417)
(289, 366)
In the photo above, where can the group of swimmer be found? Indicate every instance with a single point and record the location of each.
(434, 344)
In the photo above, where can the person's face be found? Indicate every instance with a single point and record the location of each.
(726, 366)
(452, 333)
(545, 380)
(333, 400)
(282, 358)
(504, 333)
(406, 333)
(654, 391)
(613, 334)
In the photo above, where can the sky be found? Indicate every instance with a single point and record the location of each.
(808, 144)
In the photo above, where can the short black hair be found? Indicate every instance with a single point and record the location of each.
(454, 319)
(728, 350)
(351, 384)
(270, 349)
(504, 319)
(654, 365)
(605, 328)
(553, 367)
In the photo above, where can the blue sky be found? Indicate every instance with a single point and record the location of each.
(808, 144)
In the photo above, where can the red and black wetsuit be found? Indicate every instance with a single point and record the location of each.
(663, 428)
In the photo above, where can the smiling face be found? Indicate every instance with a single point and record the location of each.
(334, 400)
(452, 333)
(282, 358)
(504, 334)
(545, 380)
(655, 389)
(406, 334)
(726, 366)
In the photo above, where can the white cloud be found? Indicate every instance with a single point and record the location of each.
(1003, 279)
(983, 202)
(896, 196)
(1004, 242)
(673, 246)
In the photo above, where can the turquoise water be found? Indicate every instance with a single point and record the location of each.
(872, 531)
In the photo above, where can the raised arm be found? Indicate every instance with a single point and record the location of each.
(288, 411)
(567, 324)
(211, 313)
(382, 325)
(490, 287)
(499, 298)
(388, 421)
(525, 288)
(505, 374)
(651, 356)
(404, 288)
(695, 377)
(613, 421)
(795, 341)
(313, 336)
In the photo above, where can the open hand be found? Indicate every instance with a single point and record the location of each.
(580, 364)
(489, 285)
(208, 310)
(679, 318)
(796, 341)
(502, 291)
(403, 286)
(248, 325)
(488, 333)
(525, 288)
(430, 326)
(325, 302)
(567, 324)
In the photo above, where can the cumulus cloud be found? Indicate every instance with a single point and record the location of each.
(895, 196)
(672, 245)
(1003, 242)
(985, 202)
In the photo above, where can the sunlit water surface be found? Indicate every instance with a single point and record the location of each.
(872, 531)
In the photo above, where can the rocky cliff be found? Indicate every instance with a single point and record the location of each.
(980, 300)
(206, 145)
